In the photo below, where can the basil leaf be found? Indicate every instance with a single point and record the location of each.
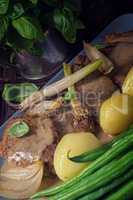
(9, 94)
(26, 89)
(100, 46)
(18, 92)
(65, 23)
(36, 50)
(28, 28)
(27, 5)
(51, 2)
(3, 6)
(19, 129)
(34, 1)
(18, 10)
(70, 95)
(3, 26)
(18, 43)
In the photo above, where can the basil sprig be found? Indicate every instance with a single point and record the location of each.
(70, 95)
(19, 129)
(22, 23)
(67, 23)
(18, 92)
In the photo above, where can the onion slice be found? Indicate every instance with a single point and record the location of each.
(93, 54)
(18, 182)
(60, 85)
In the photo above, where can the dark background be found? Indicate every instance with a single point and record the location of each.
(96, 15)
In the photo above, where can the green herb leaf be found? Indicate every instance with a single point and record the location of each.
(26, 89)
(34, 1)
(65, 23)
(36, 50)
(28, 28)
(27, 5)
(100, 46)
(3, 6)
(51, 2)
(70, 95)
(73, 5)
(10, 92)
(18, 43)
(19, 129)
(18, 92)
(18, 10)
(3, 26)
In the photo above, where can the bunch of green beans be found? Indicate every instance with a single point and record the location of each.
(109, 170)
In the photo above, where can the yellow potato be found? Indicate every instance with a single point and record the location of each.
(127, 87)
(116, 113)
(74, 144)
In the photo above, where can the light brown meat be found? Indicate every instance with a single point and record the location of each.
(66, 122)
(41, 140)
(126, 37)
(121, 54)
(94, 92)
(122, 57)
(45, 133)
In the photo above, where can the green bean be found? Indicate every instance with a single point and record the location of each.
(125, 193)
(107, 188)
(94, 154)
(117, 148)
(100, 178)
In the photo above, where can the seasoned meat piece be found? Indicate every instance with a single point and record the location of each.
(114, 38)
(94, 92)
(66, 122)
(119, 79)
(122, 57)
(41, 141)
(121, 54)
(79, 62)
(43, 138)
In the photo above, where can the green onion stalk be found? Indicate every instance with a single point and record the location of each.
(79, 111)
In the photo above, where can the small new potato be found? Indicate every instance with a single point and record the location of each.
(127, 87)
(116, 113)
(74, 144)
